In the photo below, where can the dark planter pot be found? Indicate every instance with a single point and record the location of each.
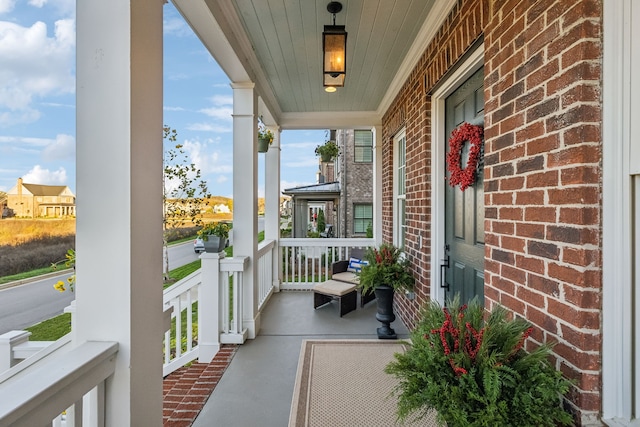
(263, 145)
(214, 244)
(384, 315)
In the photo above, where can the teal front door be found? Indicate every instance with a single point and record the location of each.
(463, 267)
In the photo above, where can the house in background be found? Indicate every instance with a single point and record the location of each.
(41, 201)
(344, 189)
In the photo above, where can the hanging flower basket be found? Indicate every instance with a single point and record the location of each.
(263, 145)
(465, 177)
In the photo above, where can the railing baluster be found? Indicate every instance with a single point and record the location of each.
(189, 321)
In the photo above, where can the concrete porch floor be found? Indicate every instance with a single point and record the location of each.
(257, 387)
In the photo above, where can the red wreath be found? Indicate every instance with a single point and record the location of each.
(465, 132)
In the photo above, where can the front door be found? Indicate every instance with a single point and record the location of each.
(464, 210)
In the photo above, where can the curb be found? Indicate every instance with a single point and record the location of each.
(33, 279)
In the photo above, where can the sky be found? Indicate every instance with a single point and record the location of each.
(37, 102)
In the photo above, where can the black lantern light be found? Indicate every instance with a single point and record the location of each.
(334, 50)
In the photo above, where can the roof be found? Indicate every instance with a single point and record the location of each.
(45, 190)
(328, 189)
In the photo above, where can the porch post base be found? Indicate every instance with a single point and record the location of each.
(206, 352)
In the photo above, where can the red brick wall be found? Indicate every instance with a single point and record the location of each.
(542, 170)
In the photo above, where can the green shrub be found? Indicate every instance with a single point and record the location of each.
(474, 372)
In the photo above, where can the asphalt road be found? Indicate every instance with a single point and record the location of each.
(25, 305)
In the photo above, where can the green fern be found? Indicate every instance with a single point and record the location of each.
(471, 368)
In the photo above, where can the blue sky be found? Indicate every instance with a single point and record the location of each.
(37, 102)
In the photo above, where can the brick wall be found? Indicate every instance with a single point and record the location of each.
(542, 170)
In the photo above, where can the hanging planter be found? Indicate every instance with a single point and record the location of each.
(465, 177)
(327, 151)
(263, 145)
(265, 137)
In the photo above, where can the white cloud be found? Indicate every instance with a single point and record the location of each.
(34, 65)
(165, 108)
(222, 179)
(37, 3)
(64, 147)
(210, 127)
(176, 26)
(7, 6)
(37, 175)
(221, 113)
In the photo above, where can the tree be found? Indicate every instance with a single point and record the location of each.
(185, 193)
(321, 222)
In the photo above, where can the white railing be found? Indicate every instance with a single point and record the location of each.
(181, 300)
(58, 379)
(231, 296)
(265, 271)
(306, 262)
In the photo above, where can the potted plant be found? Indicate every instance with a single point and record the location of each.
(214, 236)
(385, 271)
(470, 366)
(265, 137)
(327, 151)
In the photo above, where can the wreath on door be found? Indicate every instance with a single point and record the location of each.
(465, 177)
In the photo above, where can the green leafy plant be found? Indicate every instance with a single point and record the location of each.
(329, 150)
(69, 262)
(220, 229)
(470, 366)
(386, 266)
(263, 132)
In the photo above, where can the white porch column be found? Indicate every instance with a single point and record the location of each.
(209, 307)
(245, 195)
(377, 184)
(119, 189)
(272, 203)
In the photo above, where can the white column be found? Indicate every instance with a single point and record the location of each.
(272, 203)
(7, 343)
(245, 195)
(119, 199)
(377, 184)
(209, 307)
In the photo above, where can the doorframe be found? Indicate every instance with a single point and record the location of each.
(620, 181)
(466, 69)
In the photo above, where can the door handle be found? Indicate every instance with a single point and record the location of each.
(444, 264)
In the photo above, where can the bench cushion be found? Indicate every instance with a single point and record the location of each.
(333, 287)
(346, 276)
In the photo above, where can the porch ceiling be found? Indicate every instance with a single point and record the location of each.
(277, 44)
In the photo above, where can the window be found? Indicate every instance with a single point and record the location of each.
(362, 217)
(363, 146)
(399, 189)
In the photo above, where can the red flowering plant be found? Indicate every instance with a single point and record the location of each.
(470, 366)
(385, 265)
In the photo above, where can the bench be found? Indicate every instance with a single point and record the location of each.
(333, 290)
(339, 272)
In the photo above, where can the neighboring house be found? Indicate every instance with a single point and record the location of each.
(354, 172)
(349, 206)
(41, 201)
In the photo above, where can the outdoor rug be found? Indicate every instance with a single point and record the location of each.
(342, 383)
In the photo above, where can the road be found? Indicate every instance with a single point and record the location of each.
(25, 305)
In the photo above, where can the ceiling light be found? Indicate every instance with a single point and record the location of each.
(334, 50)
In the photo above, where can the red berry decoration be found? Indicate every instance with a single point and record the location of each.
(465, 132)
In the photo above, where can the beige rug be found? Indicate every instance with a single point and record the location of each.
(342, 383)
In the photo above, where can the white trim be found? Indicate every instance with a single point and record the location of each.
(472, 64)
(396, 214)
(617, 339)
